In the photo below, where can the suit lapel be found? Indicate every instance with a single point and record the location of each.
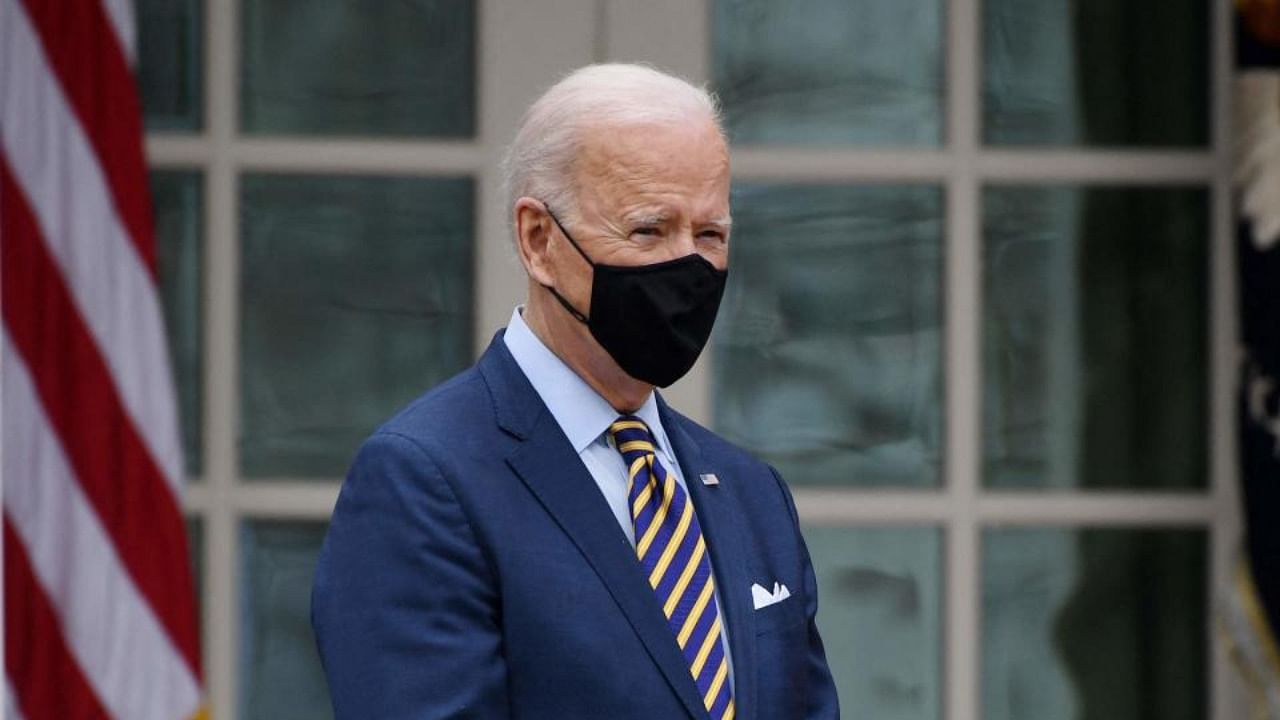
(726, 540)
(553, 472)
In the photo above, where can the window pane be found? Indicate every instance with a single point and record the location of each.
(170, 63)
(356, 297)
(1096, 72)
(280, 672)
(1094, 337)
(195, 550)
(179, 209)
(1094, 624)
(828, 348)
(357, 68)
(880, 613)
(830, 72)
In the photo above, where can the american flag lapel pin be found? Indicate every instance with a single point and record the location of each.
(709, 479)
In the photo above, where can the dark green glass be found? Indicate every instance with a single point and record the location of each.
(1094, 337)
(880, 611)
(830, 72)
(195, 549)
(178, 198)
(280, 673)
(1097, 624)
(1096, 72)
(827, 350)
(171, 63)
(356, 297)
(345, 67)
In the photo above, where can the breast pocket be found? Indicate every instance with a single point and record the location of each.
(780, 615)
(780, 654)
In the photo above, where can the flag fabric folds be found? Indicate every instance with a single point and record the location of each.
(1253, 612)
(99, 611)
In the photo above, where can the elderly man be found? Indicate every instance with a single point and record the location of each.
(542, 536)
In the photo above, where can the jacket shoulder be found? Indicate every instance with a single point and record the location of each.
(716, 446)
(760, 479)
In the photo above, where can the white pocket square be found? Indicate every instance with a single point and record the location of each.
(763, 598)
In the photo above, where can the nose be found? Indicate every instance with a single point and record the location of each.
(682, 243)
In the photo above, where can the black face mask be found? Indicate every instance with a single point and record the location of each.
(653, 320)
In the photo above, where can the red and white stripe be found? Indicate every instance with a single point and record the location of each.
(99, 618)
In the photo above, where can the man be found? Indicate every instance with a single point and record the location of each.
(542, 536)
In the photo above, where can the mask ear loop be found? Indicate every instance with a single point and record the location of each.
(570, 308)
(567, 236)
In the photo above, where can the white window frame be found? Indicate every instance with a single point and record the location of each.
(524, 46)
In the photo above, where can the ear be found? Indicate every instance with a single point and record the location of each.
(533, 229)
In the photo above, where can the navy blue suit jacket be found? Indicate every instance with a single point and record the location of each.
(473, 570)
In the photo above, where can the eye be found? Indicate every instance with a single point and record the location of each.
(713, 235)
(646, 230)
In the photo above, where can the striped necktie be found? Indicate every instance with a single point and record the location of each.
(673, 553)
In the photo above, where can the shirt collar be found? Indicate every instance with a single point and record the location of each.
(582, 414)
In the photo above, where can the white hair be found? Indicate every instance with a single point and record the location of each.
(539, 163)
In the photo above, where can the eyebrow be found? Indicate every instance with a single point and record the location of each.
(659, 218)
(648, 218)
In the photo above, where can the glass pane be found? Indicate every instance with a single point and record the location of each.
(830, 72)
(356, 297)
(880, 612)
(358, 68)
(1094, 337)
(195, 549)
(178, 197)
(170, 69)
(1094, 624)
(1095, 72)
(280, 672)
(828, 348)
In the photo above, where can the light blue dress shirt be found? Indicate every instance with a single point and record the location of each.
(585, 417)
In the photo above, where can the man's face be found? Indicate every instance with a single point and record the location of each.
(646, 195)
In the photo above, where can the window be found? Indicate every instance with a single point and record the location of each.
(979, 311)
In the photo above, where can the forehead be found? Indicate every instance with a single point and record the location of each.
(667, 164)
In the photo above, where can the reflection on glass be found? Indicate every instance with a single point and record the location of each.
(179, 211)
(1094, 624)
(828, 347)
(169, 63)
(1095, 72)
(280, 673)
(880, 614)
(356, 297)
(359, 68)
(830, 72)
(1094, 337)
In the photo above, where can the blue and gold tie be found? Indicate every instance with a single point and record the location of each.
(672, 551)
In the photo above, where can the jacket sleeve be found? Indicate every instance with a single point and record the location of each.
(405, 604)
(822, 703)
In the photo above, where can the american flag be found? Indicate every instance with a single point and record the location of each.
(99, 617)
